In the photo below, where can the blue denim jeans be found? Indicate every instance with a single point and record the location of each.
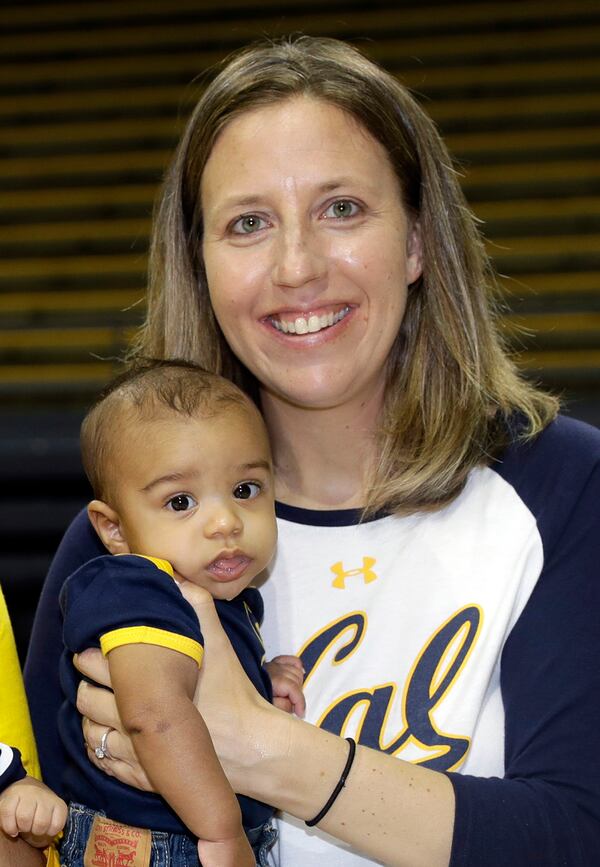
(168, 850)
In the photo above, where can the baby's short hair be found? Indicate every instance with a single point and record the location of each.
(148, 390)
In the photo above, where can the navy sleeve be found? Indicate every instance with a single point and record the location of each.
(11, 766)
(127, 593)
(44, 693)
(546, 810)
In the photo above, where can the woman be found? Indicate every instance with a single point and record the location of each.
(435, 533)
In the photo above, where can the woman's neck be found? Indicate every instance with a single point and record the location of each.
(321, 456)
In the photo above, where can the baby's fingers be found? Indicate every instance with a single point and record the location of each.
(58, 818)
(294, 663)
(25, 810)
(8, 819)
(288, 690)
(283, 703)
(296, 696)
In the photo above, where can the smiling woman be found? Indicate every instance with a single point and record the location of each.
(307, 184)
(330, 238)
(437, 552)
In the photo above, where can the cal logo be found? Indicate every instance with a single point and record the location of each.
(433, 675)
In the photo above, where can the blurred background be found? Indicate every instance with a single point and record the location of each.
(93, 95)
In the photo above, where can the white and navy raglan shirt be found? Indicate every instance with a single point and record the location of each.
(466, 640)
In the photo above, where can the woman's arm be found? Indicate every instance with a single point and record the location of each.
(393, 811)
(80, 544)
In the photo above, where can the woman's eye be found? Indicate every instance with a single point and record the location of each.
(248, 224)
(342, 208)
(246, 490)
(181, 503)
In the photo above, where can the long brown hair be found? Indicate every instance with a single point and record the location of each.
(453, 394)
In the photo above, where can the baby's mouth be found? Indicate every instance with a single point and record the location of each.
(308, 323)
(229, 568)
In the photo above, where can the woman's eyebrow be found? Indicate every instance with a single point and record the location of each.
(255, 199)
(239, 202)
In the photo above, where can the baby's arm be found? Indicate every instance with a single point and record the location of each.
(154, 688)
(31, 810)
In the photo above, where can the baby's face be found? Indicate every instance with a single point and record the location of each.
(199, 493)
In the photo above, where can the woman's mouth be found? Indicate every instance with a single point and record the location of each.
(308, 323)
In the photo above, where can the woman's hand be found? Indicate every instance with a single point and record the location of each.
(237, 717)
(99, 710)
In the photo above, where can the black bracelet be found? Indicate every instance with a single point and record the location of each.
(339, 786)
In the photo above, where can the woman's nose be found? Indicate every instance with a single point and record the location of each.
(222, 520)
(298, 259)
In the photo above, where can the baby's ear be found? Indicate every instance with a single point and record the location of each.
(107, 524)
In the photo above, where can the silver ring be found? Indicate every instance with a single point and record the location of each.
(102, 751)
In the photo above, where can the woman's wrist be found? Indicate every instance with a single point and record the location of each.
(295, 766)
(292, 765)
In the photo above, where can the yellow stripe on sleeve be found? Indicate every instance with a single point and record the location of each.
(152, 635)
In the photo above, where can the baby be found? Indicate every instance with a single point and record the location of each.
(180, 465)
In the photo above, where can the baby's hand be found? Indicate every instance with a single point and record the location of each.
(31, 809)
(235, 852)
(287, 677)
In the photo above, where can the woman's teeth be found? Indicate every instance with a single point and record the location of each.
(314, 323)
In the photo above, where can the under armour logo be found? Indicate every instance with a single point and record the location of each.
(341, 574)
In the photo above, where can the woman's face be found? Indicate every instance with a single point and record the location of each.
(308, 251)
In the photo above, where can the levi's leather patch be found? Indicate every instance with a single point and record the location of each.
(112, 844)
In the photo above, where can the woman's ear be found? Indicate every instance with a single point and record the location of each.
(107, 524)
(414, 252)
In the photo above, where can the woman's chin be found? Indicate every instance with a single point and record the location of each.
(316, 394)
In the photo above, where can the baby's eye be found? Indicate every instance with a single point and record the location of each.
(341, 208)
(248, 224)
(247, 490)
(181, 503)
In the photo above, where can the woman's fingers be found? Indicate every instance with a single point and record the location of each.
(120, 760)
(100, 715)
(92, 664)
(99, 705)
(131, 774)
(204, 606)
(117, 746)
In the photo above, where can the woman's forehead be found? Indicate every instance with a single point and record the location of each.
(299, 139)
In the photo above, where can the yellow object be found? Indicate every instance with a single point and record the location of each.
(151, 635)
(52, 858)
(15, 722)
